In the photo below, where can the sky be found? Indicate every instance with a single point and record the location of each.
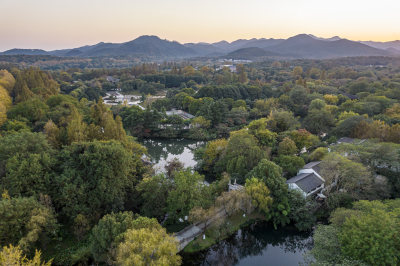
(57, 24)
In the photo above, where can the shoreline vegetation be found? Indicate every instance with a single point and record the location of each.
(214, 234)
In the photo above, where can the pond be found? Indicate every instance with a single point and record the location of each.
(258, 244)
(162, 151)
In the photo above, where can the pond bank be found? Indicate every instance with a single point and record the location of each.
(257, 244)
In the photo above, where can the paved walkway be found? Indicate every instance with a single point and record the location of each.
(189, 233)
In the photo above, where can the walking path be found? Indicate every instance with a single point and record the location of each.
(189, 233)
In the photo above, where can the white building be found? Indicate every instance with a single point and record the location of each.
(308, 180)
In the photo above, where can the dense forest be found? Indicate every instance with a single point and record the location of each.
(78, 189)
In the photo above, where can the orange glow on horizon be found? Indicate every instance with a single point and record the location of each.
(48, 24)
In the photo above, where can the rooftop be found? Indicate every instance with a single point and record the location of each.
(314, 166)
(306, 181)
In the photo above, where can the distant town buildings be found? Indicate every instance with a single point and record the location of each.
(350, 141)
(112, 79)
(116, 98)
(184, 115)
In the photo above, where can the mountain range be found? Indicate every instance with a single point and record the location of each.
(299, 46)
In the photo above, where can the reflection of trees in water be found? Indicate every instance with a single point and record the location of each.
(287, 239)
(248, 244)
(160, 149)
(251, 241)
(221, 255)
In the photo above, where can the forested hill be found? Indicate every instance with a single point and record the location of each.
(299, 46)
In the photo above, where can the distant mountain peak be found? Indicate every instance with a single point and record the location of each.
(299, 46)
(334, 38)
(147, 37)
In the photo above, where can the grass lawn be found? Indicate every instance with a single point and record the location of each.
(218, 233)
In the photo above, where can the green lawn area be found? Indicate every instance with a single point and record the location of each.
(218, 233)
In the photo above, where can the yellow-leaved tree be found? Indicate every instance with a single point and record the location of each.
(5, 103)
(13, 256)
(7, 82)
(148, 246)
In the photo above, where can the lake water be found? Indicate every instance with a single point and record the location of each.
(162, 151)
(255, 245)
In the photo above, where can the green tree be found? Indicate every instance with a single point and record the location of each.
(33, 81)
(301, 210)
(319, 121)
(287, 147)
(271, 175)
(366, 233)
(327, 245)
(242, 75)
(26, 161)
(372, 237)
(241, 155)
(317, 104)
(33, 109)
(110, 230)
(259, 194)
(213, 153)
(29, 174)
(258, 128)
(281, 120)
(347, 176)
(154, 193)
(53, 134)
(94, 178)
(76, 129)
(189, 192)
(303, 139)
(25, 222)
(290, 163)
(107, 234)
(318, 154)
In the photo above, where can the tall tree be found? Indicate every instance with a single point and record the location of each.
(94, 178)
(25, 222)
(271, 175)
(13, 255)
(189, 192)
(148, 247)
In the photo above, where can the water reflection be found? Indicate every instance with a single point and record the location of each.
(162, 151)
(255, 245)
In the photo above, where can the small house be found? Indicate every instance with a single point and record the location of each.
(308, 180)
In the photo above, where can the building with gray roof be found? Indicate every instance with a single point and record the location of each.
(308, 180)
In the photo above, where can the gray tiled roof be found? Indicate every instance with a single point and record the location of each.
(306, 181)
(345, 140)
(313, 165)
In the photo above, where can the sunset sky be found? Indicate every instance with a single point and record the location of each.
(55, 24)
